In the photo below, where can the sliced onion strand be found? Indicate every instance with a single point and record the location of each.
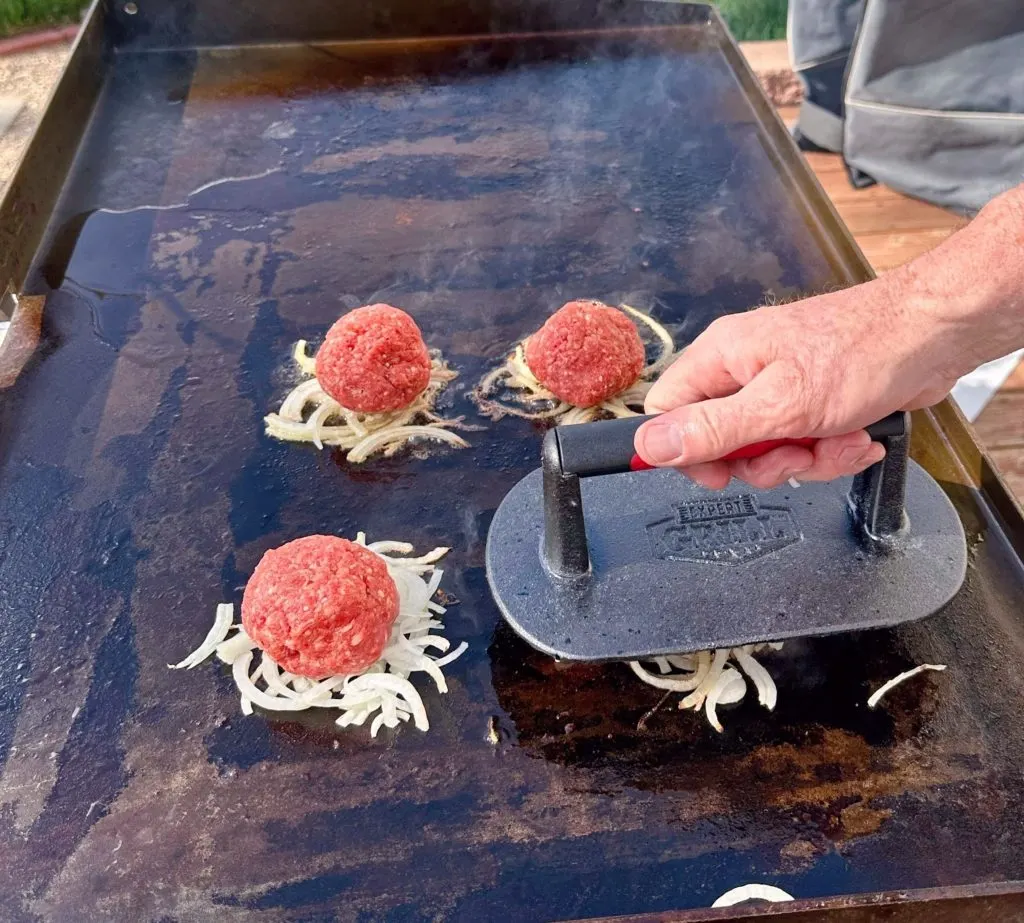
(216, 635)
(710, 680)
(902, 678)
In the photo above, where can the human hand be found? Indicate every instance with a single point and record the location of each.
(823, 367)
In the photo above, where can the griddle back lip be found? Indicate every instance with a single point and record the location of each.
(164, 25)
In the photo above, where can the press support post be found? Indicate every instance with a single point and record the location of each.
(878, 495)
(565, 550)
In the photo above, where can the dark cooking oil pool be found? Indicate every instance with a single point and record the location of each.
(226, 204)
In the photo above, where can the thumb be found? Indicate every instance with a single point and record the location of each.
(708, 430)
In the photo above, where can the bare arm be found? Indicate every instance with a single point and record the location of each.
(828, 366)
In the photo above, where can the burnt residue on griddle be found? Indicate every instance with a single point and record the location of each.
(588, 716)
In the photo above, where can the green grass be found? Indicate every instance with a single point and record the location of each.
(751, 20)
(18, 15)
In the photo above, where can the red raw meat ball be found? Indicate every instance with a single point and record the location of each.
(374, 360)
(586, 352)
(321, 606)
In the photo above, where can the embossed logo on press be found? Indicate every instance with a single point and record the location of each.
(723, 530)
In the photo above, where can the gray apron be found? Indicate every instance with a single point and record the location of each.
(926, 96)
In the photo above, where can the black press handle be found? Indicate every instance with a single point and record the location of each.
(594, 449)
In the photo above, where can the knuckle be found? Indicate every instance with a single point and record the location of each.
(817, 473)
(659, 398)
(705, 429)
(763, 480)
(796, 397)
(777, 400)
(711, 475)
(720, 327)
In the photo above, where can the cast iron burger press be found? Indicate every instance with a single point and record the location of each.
(591, 559)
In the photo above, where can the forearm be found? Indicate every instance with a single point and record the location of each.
(971, 287)
(829, 365)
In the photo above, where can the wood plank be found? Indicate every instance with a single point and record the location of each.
(839, 189)
(879, 214)
(1010, 463)
(837, 184)
(1001, 423)
(766, 57)
(788, 114)
(886, 251)
(825, 164)
(1016, 380)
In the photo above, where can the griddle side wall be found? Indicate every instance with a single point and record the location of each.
(36, 186)
(184, 23)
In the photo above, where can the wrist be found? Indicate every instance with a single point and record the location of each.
(966, 297)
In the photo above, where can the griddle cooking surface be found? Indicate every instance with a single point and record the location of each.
(479, 187)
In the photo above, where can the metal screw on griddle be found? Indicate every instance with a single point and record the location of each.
(131, 8)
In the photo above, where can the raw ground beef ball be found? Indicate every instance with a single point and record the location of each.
(586, 352)
(320, 606)
(374, 360)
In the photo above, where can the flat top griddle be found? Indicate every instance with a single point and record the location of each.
(226, 202)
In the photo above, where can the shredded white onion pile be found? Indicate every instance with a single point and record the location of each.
(309, 414)
(903, 677)
(768, 893)
(711, 680)
(383, 691)
(513, 390)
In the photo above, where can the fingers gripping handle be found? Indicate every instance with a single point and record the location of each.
(754, 450)
(594, 449)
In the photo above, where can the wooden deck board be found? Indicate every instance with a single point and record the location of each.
(1010, 463)
(1001, 423)
(1001, 430)
(765, 57)
(891, 228)
(1016, 379)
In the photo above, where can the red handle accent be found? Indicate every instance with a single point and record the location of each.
(754, 450)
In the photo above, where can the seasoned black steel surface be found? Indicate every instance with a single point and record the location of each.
(478, 185)
(675, 568)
